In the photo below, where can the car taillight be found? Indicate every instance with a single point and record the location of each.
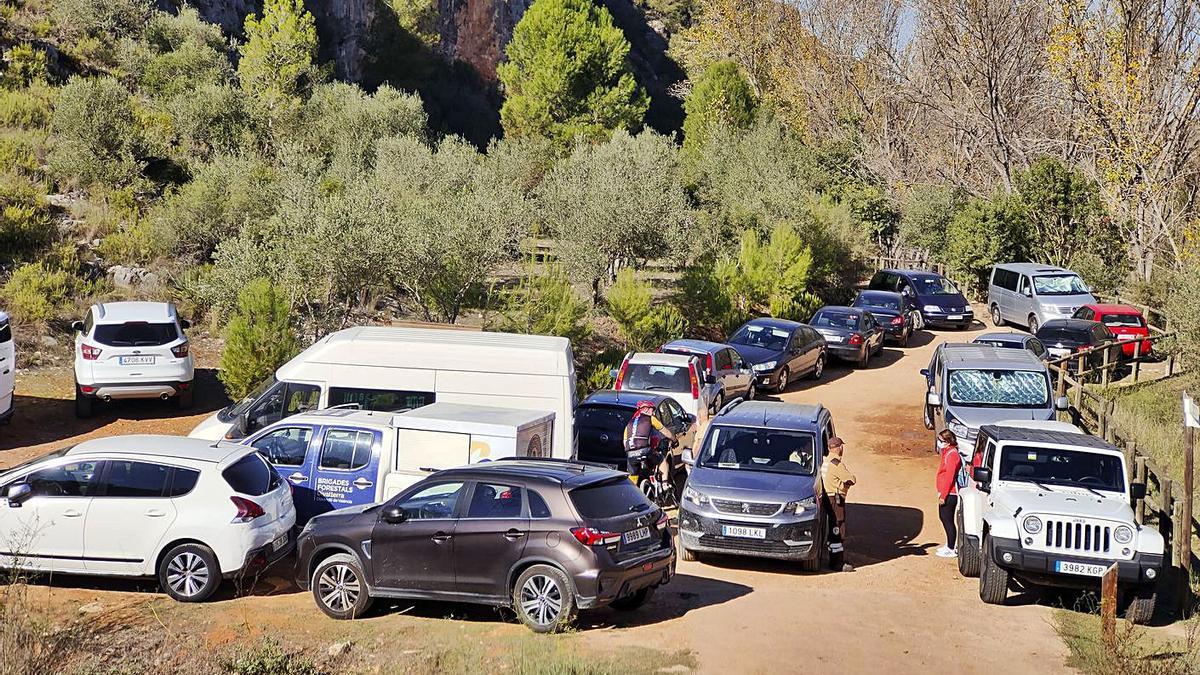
(897, 321)
(855, 339)
(711, 367)
(89, 352)
(663, 520)
(590, 536)
(246, 510)
(695, 378)
(620, 375)
(180, 351)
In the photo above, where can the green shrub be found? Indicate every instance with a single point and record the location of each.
(985, 232)
(545, 304)
(597, 373)
(36, 293)
(133, 243)
(643, 326)
(96, 134)
(25, 223)
(25, 108)
(19, 151)
(24, 65)
(721, 96)
(1183, 310)
(269, 658)
(258, 338)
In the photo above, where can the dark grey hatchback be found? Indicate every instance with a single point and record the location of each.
(544, 537)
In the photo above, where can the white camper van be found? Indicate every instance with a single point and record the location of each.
(8, 368)
(396, 369)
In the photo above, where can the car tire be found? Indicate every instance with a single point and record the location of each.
(718, 403)
(85, 406)
(784, 376)
(544, 599)
(189, 573)
(1139, 606)
(634, 601)
(918, 321)
(903, 341)
(820, 561)
(1033, 325)
(997, 320)
(865, 361)
(687, 554)
(927, 418)
(339, 587)
(993, 579)
(184, 399)
(968, 556)
(819, 369)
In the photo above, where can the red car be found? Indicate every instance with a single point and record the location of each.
(1124, 320)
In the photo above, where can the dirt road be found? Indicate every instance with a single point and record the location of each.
(903, 610)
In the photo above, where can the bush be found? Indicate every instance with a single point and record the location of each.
(23, 65)
(269, 658)
(36, 293)
(925, 215)
(597, 372)
(25, 223)
(545, 304)
(985, 232)
(95, 133)
(222, 196)
(258, 338)
(26, 108)
(75, 20)
(643, 325)
(1183, 310)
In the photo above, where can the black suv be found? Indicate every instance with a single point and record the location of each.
(544, 537)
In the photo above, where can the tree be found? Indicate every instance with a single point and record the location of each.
(258, 338)
(644, 326)
(96, 136)
(545, 304)
(277, 68)
(985, 232)
(567, 75)
(1063, 213)
(769, 277)
(721, 96)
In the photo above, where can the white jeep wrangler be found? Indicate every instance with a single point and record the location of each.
(1050, 506)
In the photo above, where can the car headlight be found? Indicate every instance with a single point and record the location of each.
(799, 507)
(694, 496)
(1032, 524)
(764, 366)
(931, 308)
(960, 430)
(1123, 534)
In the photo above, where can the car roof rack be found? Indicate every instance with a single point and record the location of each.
(729, 406)
(580, 464)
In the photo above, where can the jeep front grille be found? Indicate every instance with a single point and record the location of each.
(738, 508)
(1063, 535)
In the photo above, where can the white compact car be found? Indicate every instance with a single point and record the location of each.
(131, 350)
(8, 369)
(188, 511)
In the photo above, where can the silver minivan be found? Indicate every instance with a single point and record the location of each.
(1029, 294)
(970, 385)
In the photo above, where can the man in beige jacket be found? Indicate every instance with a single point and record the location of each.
(836, 481)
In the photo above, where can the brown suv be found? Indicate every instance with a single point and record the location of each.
(545, 537)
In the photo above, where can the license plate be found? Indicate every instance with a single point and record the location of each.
(744, 532)
(833, 338)
(1060, 352)
(279, 542)
(137, 360)
(1064, 567)
(636, 535)
(1124, 337)
(954, 317)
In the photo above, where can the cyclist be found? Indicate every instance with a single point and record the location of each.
(643, 436)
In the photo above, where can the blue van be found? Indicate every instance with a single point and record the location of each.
(935, 300)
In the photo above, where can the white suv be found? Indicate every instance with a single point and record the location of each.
(679, 376)
(188, 511)
(1050, 506)
(131, 350)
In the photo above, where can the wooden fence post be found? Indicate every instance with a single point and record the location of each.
(1170, 365)
(1079, 387)
(1140, 511)
(1185, 540)
(1137, 359)
(1108, 606)
(1105, 376)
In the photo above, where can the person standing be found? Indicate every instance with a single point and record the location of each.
(949, 470)
(836, 481)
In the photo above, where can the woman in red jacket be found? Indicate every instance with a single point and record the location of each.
(947, 489)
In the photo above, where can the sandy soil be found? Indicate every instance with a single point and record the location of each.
(903, 610)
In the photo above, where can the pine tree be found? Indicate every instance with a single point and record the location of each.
(258, 338)
(277, 68)
(721, 96)
(567, 75)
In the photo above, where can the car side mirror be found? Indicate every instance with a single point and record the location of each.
(185, 324)
(1137, 491)
(77, 326)
(933, 399)
(982, 474)
(1062, 403)
(238, 428)
(1027, 293)
(18, 493)
(394, 515)
(688, 458)
(925, 372)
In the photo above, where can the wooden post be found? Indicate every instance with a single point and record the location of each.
(1110, 434)
(1061, 387)
(1105, 378)
(1170, 365)
(1079, 387)
(1140, 508)
(1102, 422)
(1137, 359)
(1108, 606)
(1185, 540)
(1165, 526)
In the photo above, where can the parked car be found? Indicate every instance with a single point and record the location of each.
(544, 537)
(1014, 341)
(126, 350)
(601, 418)
(851, 334)
(969, 385)
(780, 351)
(1050, 506)
(339, 457)
(1064, 337)
(735, 378)
(1125, 321)
(8, 369)
(752, 486)
(679, 376)
(1029, 294)
(187, 511)
(394, 369)
(937, 300)
(891, 310)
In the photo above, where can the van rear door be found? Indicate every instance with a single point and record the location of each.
(8, 367)
(345, 467)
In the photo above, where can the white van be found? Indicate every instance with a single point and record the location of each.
(1029, 294)
(339, 458)
(396, 369)
(8, 368)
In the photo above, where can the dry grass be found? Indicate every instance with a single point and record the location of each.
(1138, 651)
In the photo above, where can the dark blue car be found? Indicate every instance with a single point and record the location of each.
(779, 351)
(936, 300)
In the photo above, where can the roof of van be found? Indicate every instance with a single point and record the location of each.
(436, 349)
(475, 418)
(171, 447)
(1005, 432)
(120, 312)
(958, 355)
(771, 414)
(1033, 268)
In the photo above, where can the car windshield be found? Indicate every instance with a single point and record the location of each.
(135, 334)
(1054, 334)
(1062, 467)
(243, 405)
(881, 301)
(766, 337)
(833, 318)
(999, 388)
(769, 450)
(935, 286)
(655, 377)
(1123, 321)
(1059, 284)
(50, 455)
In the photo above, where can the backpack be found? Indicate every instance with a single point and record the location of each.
(963, 479)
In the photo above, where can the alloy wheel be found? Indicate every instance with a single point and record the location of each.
(541, 599)
(784, 375)
(339, 587)
(820, 367)
(187, 574)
